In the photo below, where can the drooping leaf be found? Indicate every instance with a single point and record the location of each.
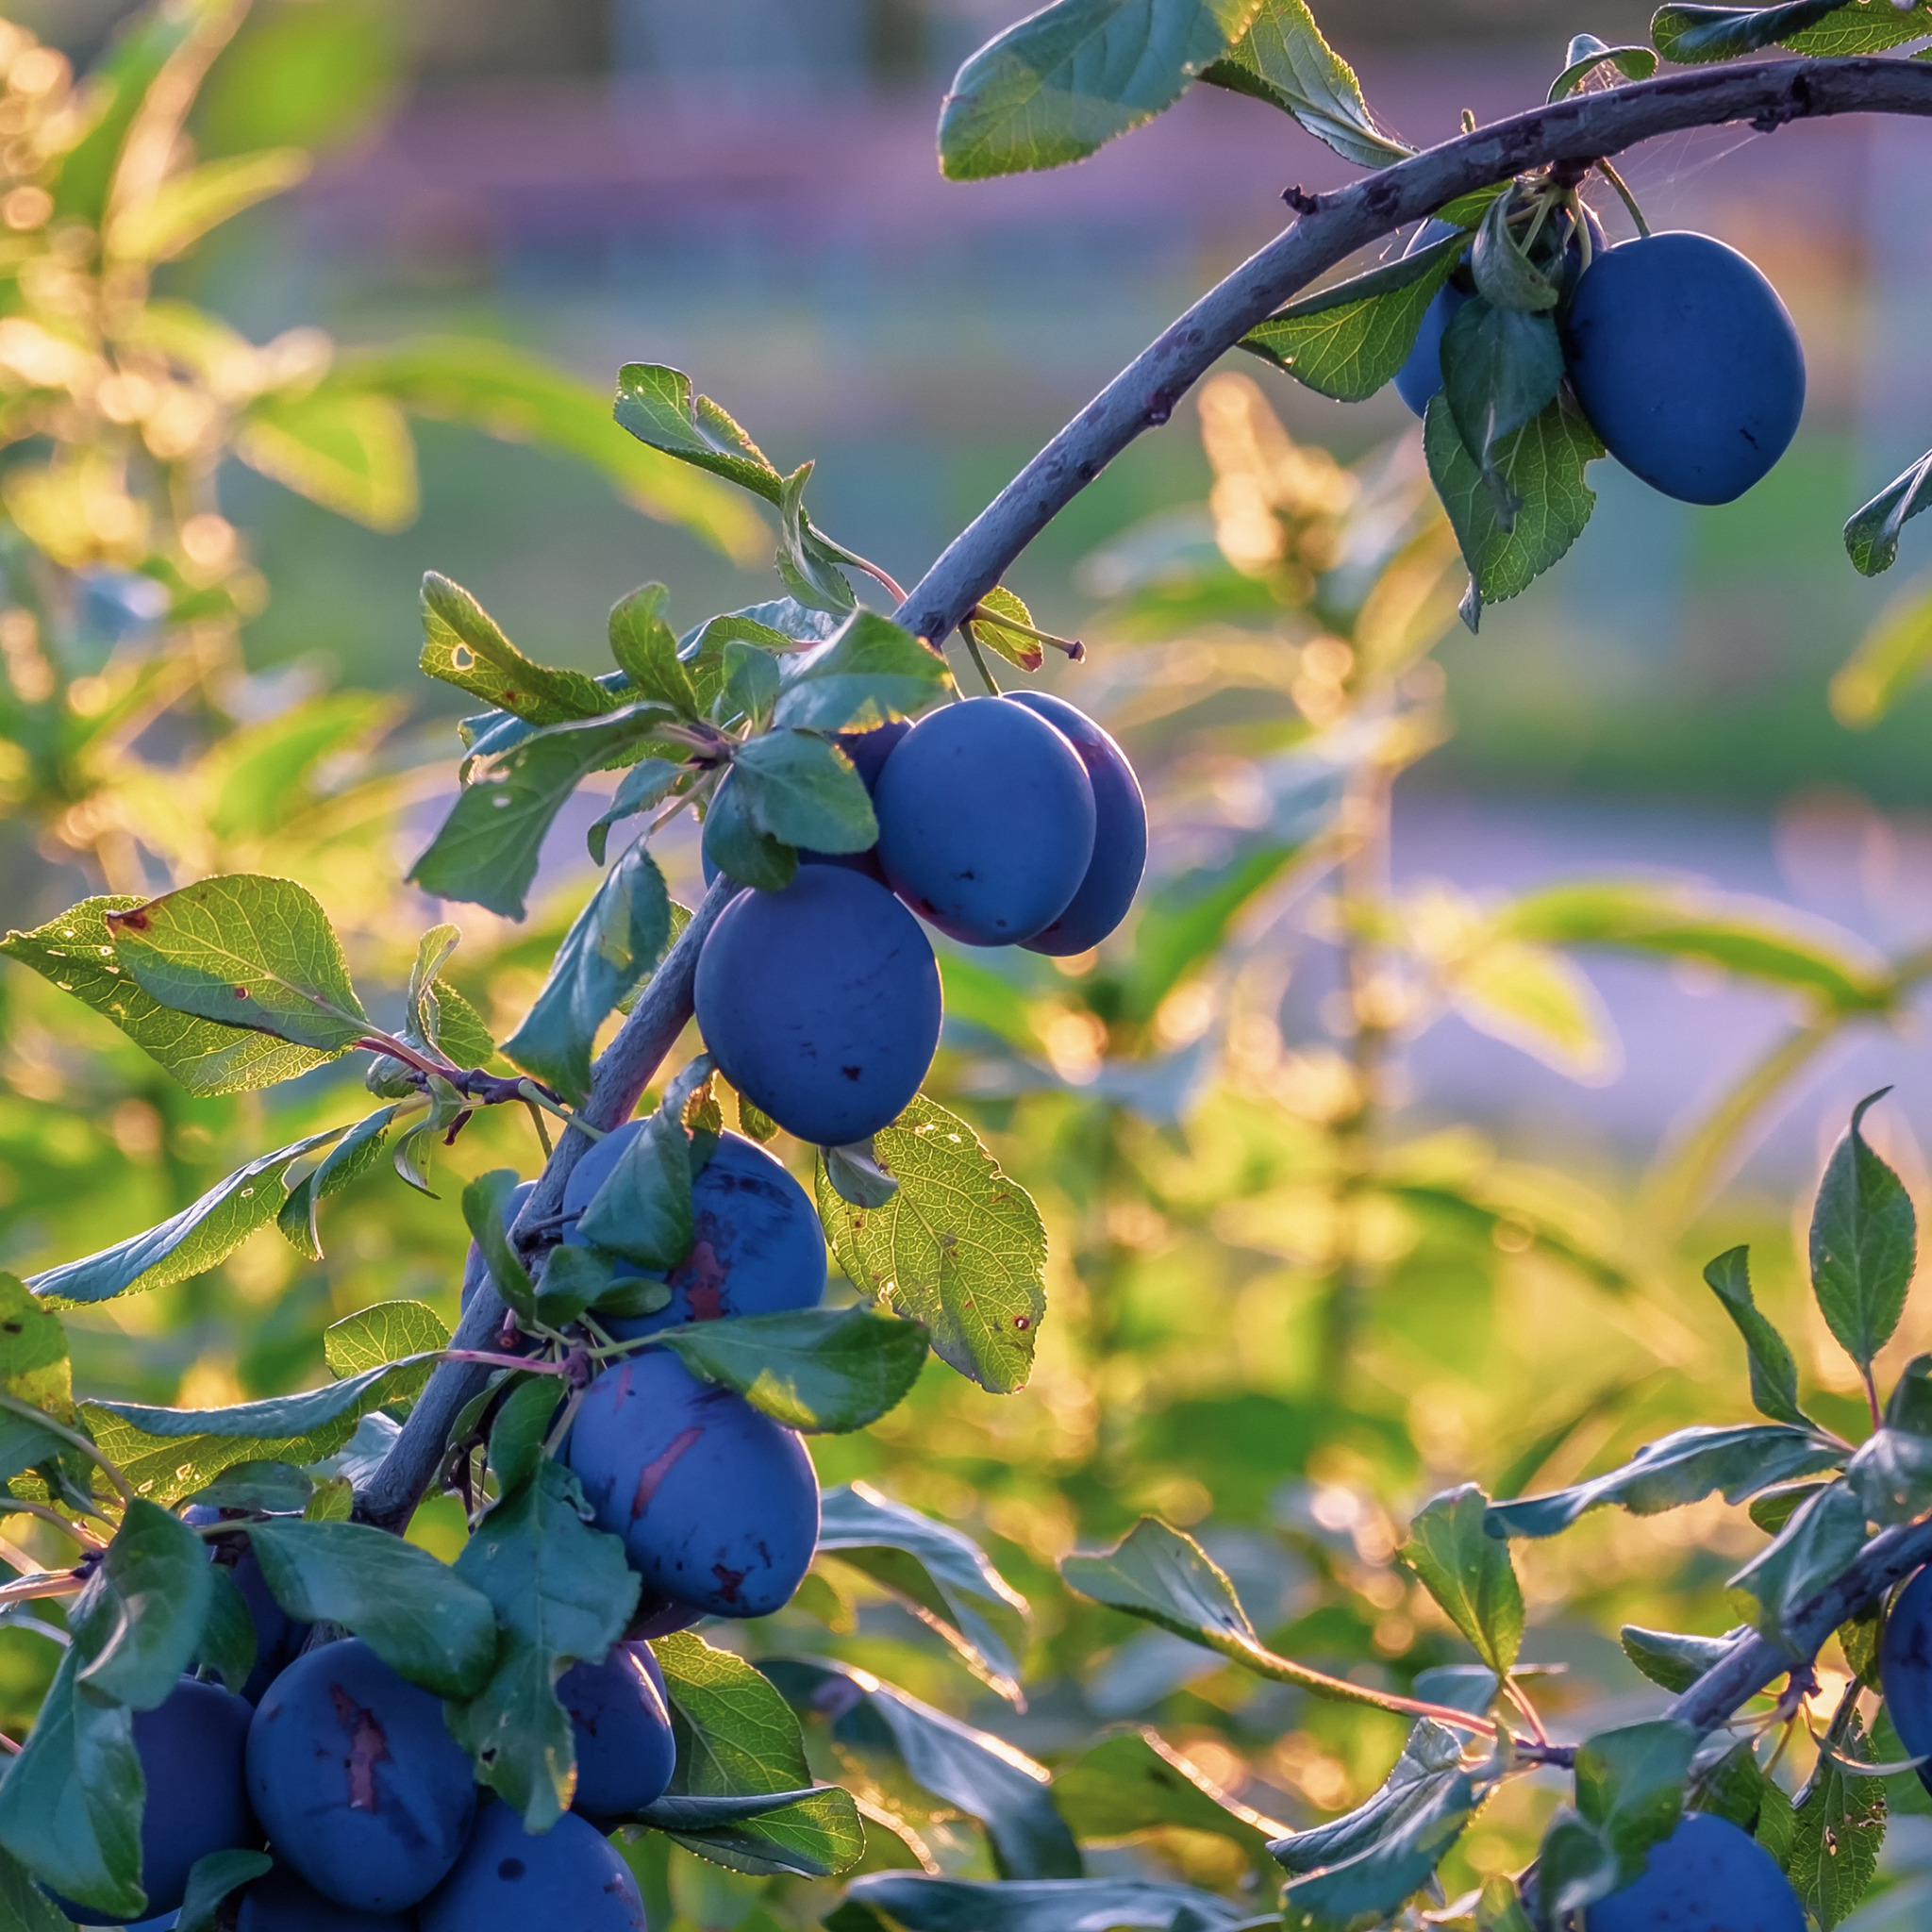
(204, 1234)
(71, 1803)
(870, 673)
(1630, 1787)
(1349, 339)
(735, 845)
(1841, 1827)
(137, 1624)
(1468, 1573)
(817, 1369)
(1821, 1537)
(644, 786)
(1864, 1244)
(1541, 467)
(1501, 369)
(803, 791)
(1891, 1476)
(657, 404)
(211, 1880)
(463, 645)
(248, 951)
(422, 1620)
(487, 1213)
(376, 1336)
(1683, 1467)
(1283, 60)
(347, 1160)
(737, 1737)
(520, 1427)
(76, 952)
(562, 1591)
(981, 1774)
(24, 1904)
(1164, 1577)
(959, 1247)
(611, 945)
(644, 1208)
(227, 1645)
(1671, 1658)
(1587, 54)
(856, 1176)
(1133, 1781)
(1872, 533)
(488, 847)
(1773, 1373)
(941, 1576)
(808, 562)
(1505, 276)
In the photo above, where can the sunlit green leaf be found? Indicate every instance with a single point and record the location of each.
(1864, 1244)
(1468, 1573)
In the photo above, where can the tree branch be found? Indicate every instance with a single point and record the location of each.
(623, 1070)
(1580, 129)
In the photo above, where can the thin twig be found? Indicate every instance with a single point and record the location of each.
(17, 1506)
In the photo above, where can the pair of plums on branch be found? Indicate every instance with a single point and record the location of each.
(1677, 349)
(1003, 820)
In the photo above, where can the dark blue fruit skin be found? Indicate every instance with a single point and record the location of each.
(1686, 364)
(361, 1787)
(986, 821)
(1905, 1668)
(572, 1880)
(476, 1270)
(190, 1750)
(868, 751)
(281, 1903)
(821, 1001)
(757, 1243)
(717, 1505)
(1707, 1877)
(1420, 376)
(1120, 831)
(278, 1639)
(622, 1722)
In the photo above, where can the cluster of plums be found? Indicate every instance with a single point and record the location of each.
(369, 1808)
(1003, 820)
(1678, 350)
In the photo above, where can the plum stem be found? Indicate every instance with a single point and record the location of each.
(1624, 194)
(992, 689)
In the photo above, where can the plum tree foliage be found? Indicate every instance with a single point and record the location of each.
(646, 1345)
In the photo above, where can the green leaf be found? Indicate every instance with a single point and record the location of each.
(656, 406)
(189, 204)
(941, 1575)
(1069, 78)
(77, 953)
(1501, 369)
(170, 1453)
(880, 1900)
(488, 848)
(856, 1177)
(1349, 339)
(986, 628)
(118, 82)
(138, 1622)
(823, 1371)
(1541, 467)
(376, 1336)
(204, 1234)
(736, 1736)
(871, 672)
(422, 1620)
(1588, 54)
(1774, 1373)
(802, 791)
(211, 1880)
(349, 450)
(1683, 1467)
(1131, 1782)
(1752, 938)
(562, 1591)
(1385, 1849)
(1890, 659)
(485, 1213)
(1864, 1244)
(1283, 60)
(509, 392)
(33, 1364)
(23, 1904)
(1871, 535)
(1162, 1576)
(647, 648)
(1468, 1573)
(246, 951)
(1671, 1658)
(463, 645)
(1184, 920)
(1576, 1866)
(959, 1247)
(1821, 1538)
(734, 846)
(1841, 1827)
(1863, 26)
(517, 1435)
(347, 1160)
(643, 1211)
(880, 1727)
(1630, 1787)
(227, 1645)
(1692, 35)
(71, 1803)
(806, 563)
(1506, 278)
(274, 1489)
(612, 944)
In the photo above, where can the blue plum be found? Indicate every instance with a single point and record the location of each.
(190, 1750)
(1686, 363)
(717, 1505)
(986, 821)
(278, 1639)
(360, 1785)
(281, 1903)
(757, 1243)
(622, 1722)
(821, 1001)
(868, 751)
(476, 1270)
(1905, 1668)
(572, 1880)
(1120, 831)
(1420, 376)
(1707, 1877)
